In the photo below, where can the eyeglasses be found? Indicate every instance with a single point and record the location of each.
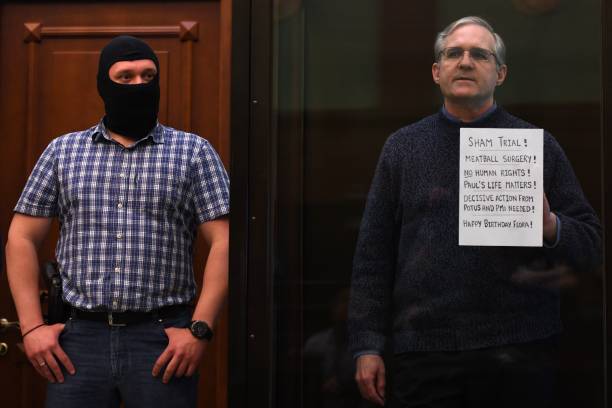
(476, 54)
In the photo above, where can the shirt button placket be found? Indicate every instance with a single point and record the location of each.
(121, 223)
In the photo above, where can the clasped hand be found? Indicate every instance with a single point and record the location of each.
(181, 357)
(44, 352)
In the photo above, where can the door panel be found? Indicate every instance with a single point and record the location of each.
(48, 65)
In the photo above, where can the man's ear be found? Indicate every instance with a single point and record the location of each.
(435, 72)
(501, 74)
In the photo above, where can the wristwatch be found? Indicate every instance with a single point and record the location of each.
(201, 330)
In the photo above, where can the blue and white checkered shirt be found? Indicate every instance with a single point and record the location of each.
(128, 216)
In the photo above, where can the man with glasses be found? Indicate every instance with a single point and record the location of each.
(462, 324)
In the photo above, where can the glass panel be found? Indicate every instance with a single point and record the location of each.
(349, 73)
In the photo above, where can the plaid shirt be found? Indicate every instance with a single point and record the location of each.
(128, 216)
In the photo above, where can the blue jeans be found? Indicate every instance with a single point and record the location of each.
(114, 364)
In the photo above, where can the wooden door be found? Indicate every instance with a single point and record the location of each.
(48, 64)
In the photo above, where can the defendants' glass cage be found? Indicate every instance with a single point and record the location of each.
(339, 77)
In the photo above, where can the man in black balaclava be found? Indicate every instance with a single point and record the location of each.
(131, 196)
(131, 101)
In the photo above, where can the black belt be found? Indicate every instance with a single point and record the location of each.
(129, 317)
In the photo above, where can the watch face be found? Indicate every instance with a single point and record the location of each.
(201, 330)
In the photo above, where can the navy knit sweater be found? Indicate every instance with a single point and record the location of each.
(413, 282)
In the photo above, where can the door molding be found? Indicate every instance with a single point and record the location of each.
(34, 32)
(185, 31)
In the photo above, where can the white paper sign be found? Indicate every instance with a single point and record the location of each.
(500, 187)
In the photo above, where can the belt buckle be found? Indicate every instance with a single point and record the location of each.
(110, 321)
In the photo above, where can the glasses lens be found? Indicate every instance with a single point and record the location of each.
(478, 54)
(453, 53)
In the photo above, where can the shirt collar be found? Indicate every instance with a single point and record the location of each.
(100, 132)
(482, 117)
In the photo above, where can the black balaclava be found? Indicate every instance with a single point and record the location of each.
(131, 110)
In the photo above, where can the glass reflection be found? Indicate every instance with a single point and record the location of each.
(364, 70)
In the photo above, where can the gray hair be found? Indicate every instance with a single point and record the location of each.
(500, 47)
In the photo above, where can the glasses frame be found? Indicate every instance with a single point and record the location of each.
(489, 54)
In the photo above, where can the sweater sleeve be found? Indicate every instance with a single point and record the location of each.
(375, 258)
(579, 243)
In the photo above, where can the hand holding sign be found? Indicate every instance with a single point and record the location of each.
(549, 221)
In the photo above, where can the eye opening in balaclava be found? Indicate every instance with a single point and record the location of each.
(131, 110)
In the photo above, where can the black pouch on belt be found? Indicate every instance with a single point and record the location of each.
(57, 310)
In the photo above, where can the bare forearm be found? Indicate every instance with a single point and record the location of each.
(22, 272)
(215, 285)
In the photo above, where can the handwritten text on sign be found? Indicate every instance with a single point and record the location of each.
(500, 187)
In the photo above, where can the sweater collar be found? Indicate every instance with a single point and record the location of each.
(480, 119)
